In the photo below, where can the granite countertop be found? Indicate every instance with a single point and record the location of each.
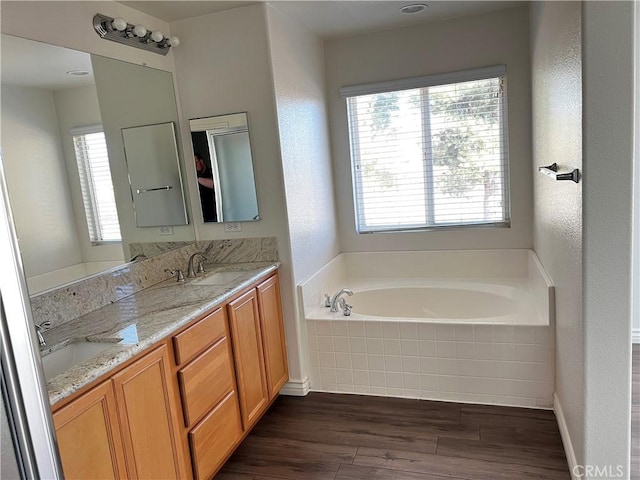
(142, 319)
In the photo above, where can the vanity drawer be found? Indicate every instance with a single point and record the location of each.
(197, 337)
(206, 381)
(215, 437)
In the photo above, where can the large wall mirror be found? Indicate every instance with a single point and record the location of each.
(64, 157)
(224, 167)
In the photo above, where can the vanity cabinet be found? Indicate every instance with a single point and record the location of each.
(208, 392)
(149, 417)
(248, 351)
(89, 437)
(126, 427)
(273, 339)
(151, 414)
(259, 348)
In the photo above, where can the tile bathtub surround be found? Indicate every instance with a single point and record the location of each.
(495, 364)
(67, 303)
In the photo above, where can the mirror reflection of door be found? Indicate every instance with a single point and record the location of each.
(224, 166)
(204, 172)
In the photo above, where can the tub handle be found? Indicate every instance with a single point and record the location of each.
(346, 308)
(552, 171)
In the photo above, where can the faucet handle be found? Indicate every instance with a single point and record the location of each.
(327, 300)
(40, 327)
(178, 273)
(201, 267)
(346, 308)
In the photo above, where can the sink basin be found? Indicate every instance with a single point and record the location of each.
(218, 278)
(71, 355)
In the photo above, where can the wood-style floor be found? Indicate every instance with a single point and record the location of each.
(635, 414)
(349, 437)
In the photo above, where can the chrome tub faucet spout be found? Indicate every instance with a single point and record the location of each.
(336, 298)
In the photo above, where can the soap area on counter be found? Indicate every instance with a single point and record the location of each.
(131, 308)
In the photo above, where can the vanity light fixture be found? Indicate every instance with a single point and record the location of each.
(413, 8)
(119, 30)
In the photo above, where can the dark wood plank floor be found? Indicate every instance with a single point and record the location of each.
(350, 437)
(635, 414)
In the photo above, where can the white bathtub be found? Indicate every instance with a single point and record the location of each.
(444, 301)
(472, 326)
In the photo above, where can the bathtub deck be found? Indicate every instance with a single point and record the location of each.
(349, 437)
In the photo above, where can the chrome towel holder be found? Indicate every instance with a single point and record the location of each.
(552, 171)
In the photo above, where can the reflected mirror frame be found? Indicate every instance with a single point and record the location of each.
(223, 125)
(166, 207)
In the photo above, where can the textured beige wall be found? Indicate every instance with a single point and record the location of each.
(44, 20)
(225, 68)
(608, 76)
(556, 69)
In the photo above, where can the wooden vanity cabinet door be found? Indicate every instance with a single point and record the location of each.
(89, 436)
(273, 339)
(150, 418)
(248, 353)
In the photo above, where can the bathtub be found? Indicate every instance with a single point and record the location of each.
(467, 326)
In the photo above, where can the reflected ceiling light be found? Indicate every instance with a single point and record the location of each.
(78, 73)
(413, 8)
(118, 30)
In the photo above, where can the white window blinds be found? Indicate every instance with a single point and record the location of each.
(95, 181)
(430, 152)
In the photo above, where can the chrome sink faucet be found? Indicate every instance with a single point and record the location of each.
(39, 328)
(336, 298)
(191, 272)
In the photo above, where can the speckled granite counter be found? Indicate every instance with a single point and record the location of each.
(136, 322)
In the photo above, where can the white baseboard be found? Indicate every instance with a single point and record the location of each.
(566, 439)
(296, 388)
(635, 335)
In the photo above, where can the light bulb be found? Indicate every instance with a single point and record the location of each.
(174, 41)
(157, 36)
(119, 24)
(139, 31)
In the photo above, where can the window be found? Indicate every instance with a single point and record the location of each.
(430, 152)
(97, 187)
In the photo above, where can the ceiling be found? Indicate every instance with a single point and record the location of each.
(170, 11)
(332, 18)
(325, 18)
(48, 68)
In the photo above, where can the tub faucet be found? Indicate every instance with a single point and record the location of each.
(191, 272)
(39, 328)
(336, 298)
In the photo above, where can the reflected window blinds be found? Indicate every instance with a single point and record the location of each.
(97, 188)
